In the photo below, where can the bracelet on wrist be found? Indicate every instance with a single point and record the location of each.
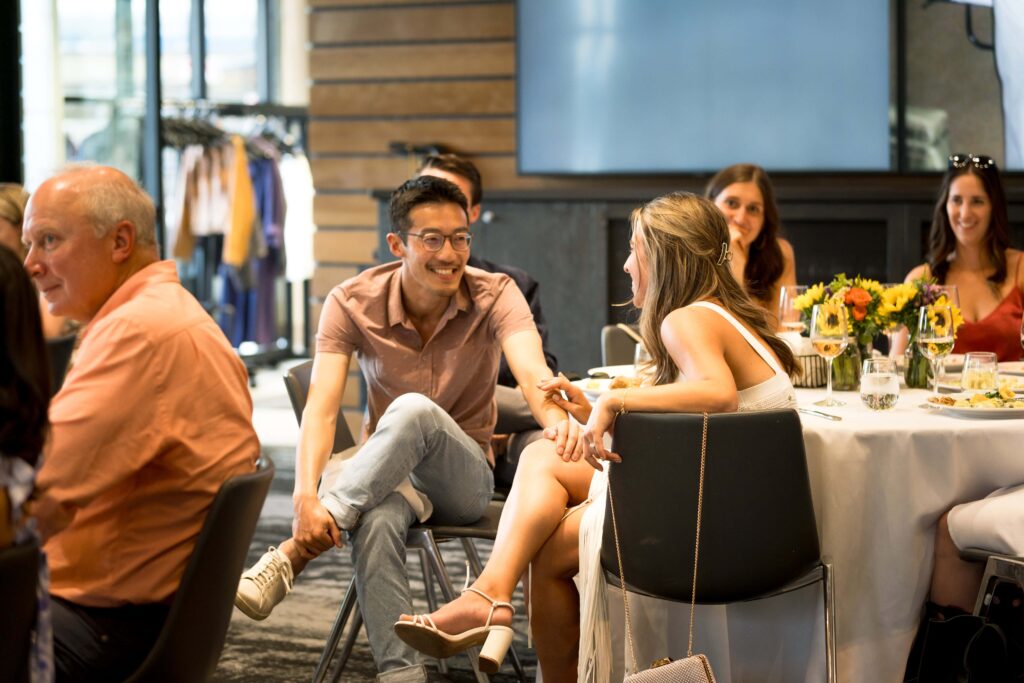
(622, 402)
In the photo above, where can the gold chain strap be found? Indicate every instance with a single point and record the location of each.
(696, 550)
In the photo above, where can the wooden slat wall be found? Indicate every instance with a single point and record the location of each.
(412, 71)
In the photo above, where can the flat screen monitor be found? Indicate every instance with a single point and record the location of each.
(668, 86)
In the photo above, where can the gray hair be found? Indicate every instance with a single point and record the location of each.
(108, 203)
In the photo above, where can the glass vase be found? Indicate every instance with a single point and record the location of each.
(918, 372)
(846, 368)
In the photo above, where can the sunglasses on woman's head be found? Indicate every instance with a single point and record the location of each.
(977, 160)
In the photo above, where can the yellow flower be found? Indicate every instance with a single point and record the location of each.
(958, 318)
(940, 322)
(872, 286)
(831, 316)
(812, 296)
(895, 298)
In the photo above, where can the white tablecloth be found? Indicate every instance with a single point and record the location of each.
(880, 482)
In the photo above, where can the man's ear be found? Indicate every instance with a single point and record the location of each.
(395, 245)
(124, 241)
(474, 214)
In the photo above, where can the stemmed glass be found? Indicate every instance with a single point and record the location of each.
(789, 315)
(829, 337)
(1022, 334)
(935, 338)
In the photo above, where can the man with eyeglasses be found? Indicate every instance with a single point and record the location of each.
(428, 333)
(516, 427)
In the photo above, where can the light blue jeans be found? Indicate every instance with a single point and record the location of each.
(415, 438)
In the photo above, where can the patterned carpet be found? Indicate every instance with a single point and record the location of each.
(286, 646)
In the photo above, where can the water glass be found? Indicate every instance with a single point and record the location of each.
(880, 383)
(981, 372)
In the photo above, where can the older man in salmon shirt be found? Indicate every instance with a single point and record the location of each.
(154, 416)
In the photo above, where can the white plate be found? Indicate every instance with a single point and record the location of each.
(613, 370)
(593, 388)
(951, 382)
(981, 413)
(1015, 367)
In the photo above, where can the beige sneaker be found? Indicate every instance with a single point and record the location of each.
(265, 585)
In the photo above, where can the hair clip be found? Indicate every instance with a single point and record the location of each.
(726, 254)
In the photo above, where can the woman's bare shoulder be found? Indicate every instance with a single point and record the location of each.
(787, 248)
(1014, 265)
(917, 273)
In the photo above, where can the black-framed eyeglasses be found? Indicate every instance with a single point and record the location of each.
(980, 161)
(434, 241)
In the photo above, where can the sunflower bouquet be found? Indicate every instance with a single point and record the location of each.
(862, 298)
(901, 304)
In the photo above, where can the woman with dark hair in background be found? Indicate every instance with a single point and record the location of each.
(762, 261)
(24, 390)
(969, 247)
(24, 402)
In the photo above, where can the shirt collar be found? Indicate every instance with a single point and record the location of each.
(396, 310)
(155, 273)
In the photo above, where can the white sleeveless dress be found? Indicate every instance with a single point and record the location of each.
(595, 654)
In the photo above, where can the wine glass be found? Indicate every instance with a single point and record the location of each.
(789, 315)
(952, 295)
(829, 337)
(935, 338)
(1022, 333)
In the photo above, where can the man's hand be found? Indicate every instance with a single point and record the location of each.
(313, 528)
(51, 516)
(566, 435)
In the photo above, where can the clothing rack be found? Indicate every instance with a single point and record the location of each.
(206, 123)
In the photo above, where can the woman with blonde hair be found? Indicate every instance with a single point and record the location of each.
(712, 350)
(13, 199)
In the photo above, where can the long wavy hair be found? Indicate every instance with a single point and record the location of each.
(683, 237)
(24, 364)
(942, 241)
(765, 263)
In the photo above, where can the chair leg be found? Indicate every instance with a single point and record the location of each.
(350, 641)
(827, 581)
(428, 589)
(429, 545)
(344, 611)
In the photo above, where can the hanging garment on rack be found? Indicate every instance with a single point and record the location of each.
(297, 181)
(250, 292)
(202, 197)
(243, 208)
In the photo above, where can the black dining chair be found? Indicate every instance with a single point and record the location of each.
(759, 537)
(192, 638)
(19, 575)
(617, 347)
(424, 538)
(59, 350)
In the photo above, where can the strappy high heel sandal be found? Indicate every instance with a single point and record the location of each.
(422, 634)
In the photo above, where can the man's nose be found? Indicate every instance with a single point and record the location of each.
(32, 263)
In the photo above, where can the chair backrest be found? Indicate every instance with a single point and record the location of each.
(19, 573)
(617, 347)
(59, 350)
(758, 531)
(193, 635)
(296, 381)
